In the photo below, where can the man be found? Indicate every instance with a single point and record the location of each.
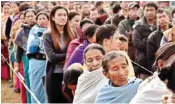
(126, 27)
(99, 6)
(142, 30)
(115, 10)
(153, 42)
(169, 34)
(153, 89)
(94, 14)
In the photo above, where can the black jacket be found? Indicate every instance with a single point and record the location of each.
(153, 43)
(141, 32)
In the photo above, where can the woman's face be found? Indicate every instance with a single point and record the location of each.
(60, 17)
(14, 8)
(93, 59)
(75, 21)
(22, 18)
(6, 9)
(42, 21)
(118, 71)
(30, 18)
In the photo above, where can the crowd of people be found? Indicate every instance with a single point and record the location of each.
(90, 51)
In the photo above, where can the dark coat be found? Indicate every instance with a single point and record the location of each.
(153, 43)
(141, 32)
(53, 57)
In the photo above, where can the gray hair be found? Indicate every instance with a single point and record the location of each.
(111, 55)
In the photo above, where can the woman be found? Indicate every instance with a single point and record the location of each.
(15, 11)
(74, 19)
(21, 42)
(37, 58)
(77, 55)
(92, 78)
(56, 40)
(120, 89)
(4, 15)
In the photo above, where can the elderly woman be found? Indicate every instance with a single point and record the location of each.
(120, 88)
(92, 78)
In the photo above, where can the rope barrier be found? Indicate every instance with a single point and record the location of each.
(142, 67)
(21, 78)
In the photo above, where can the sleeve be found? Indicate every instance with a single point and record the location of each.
(122, 29)
(52, 56)
(76, 57)
(19, 54)
(138, 40)
(33, 42)
(8, 28)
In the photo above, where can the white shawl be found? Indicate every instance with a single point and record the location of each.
(151, 92)
(88, 86)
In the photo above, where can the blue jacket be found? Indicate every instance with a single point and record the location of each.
(35, 40)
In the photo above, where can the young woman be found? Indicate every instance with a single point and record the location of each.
(37, 58)
(92, 78)
(21, 42)
(56, 40)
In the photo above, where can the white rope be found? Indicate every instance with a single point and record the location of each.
(20, 76)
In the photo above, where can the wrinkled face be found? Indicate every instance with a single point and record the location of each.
(42, 21)
(162, 19)
(124, 47)
(73, 88)
(30, 18)
(75, 21)
(118, 71)
(14, 8)
(149, 12)
(60, 17)
(134, 13)
(6, 9)
(94, 15)
(93, 59)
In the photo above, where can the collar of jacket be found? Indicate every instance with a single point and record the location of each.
(24, 25)
(169, 26)
(131, 22)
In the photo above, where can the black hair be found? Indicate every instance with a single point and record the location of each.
(15, 2)
(24, 7)
(30, 10)
(115, 20)
(5, 3)
(94, 46)
(42, 13)
(84, 22)
(123, 38)
(90, 31)
(173, 12)
(116, 8)
(83, 3)
(71, 76)
(150, 4)
(72, 15)
(168, 73)
(105, 31)
(161, 10)
(98, 3)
